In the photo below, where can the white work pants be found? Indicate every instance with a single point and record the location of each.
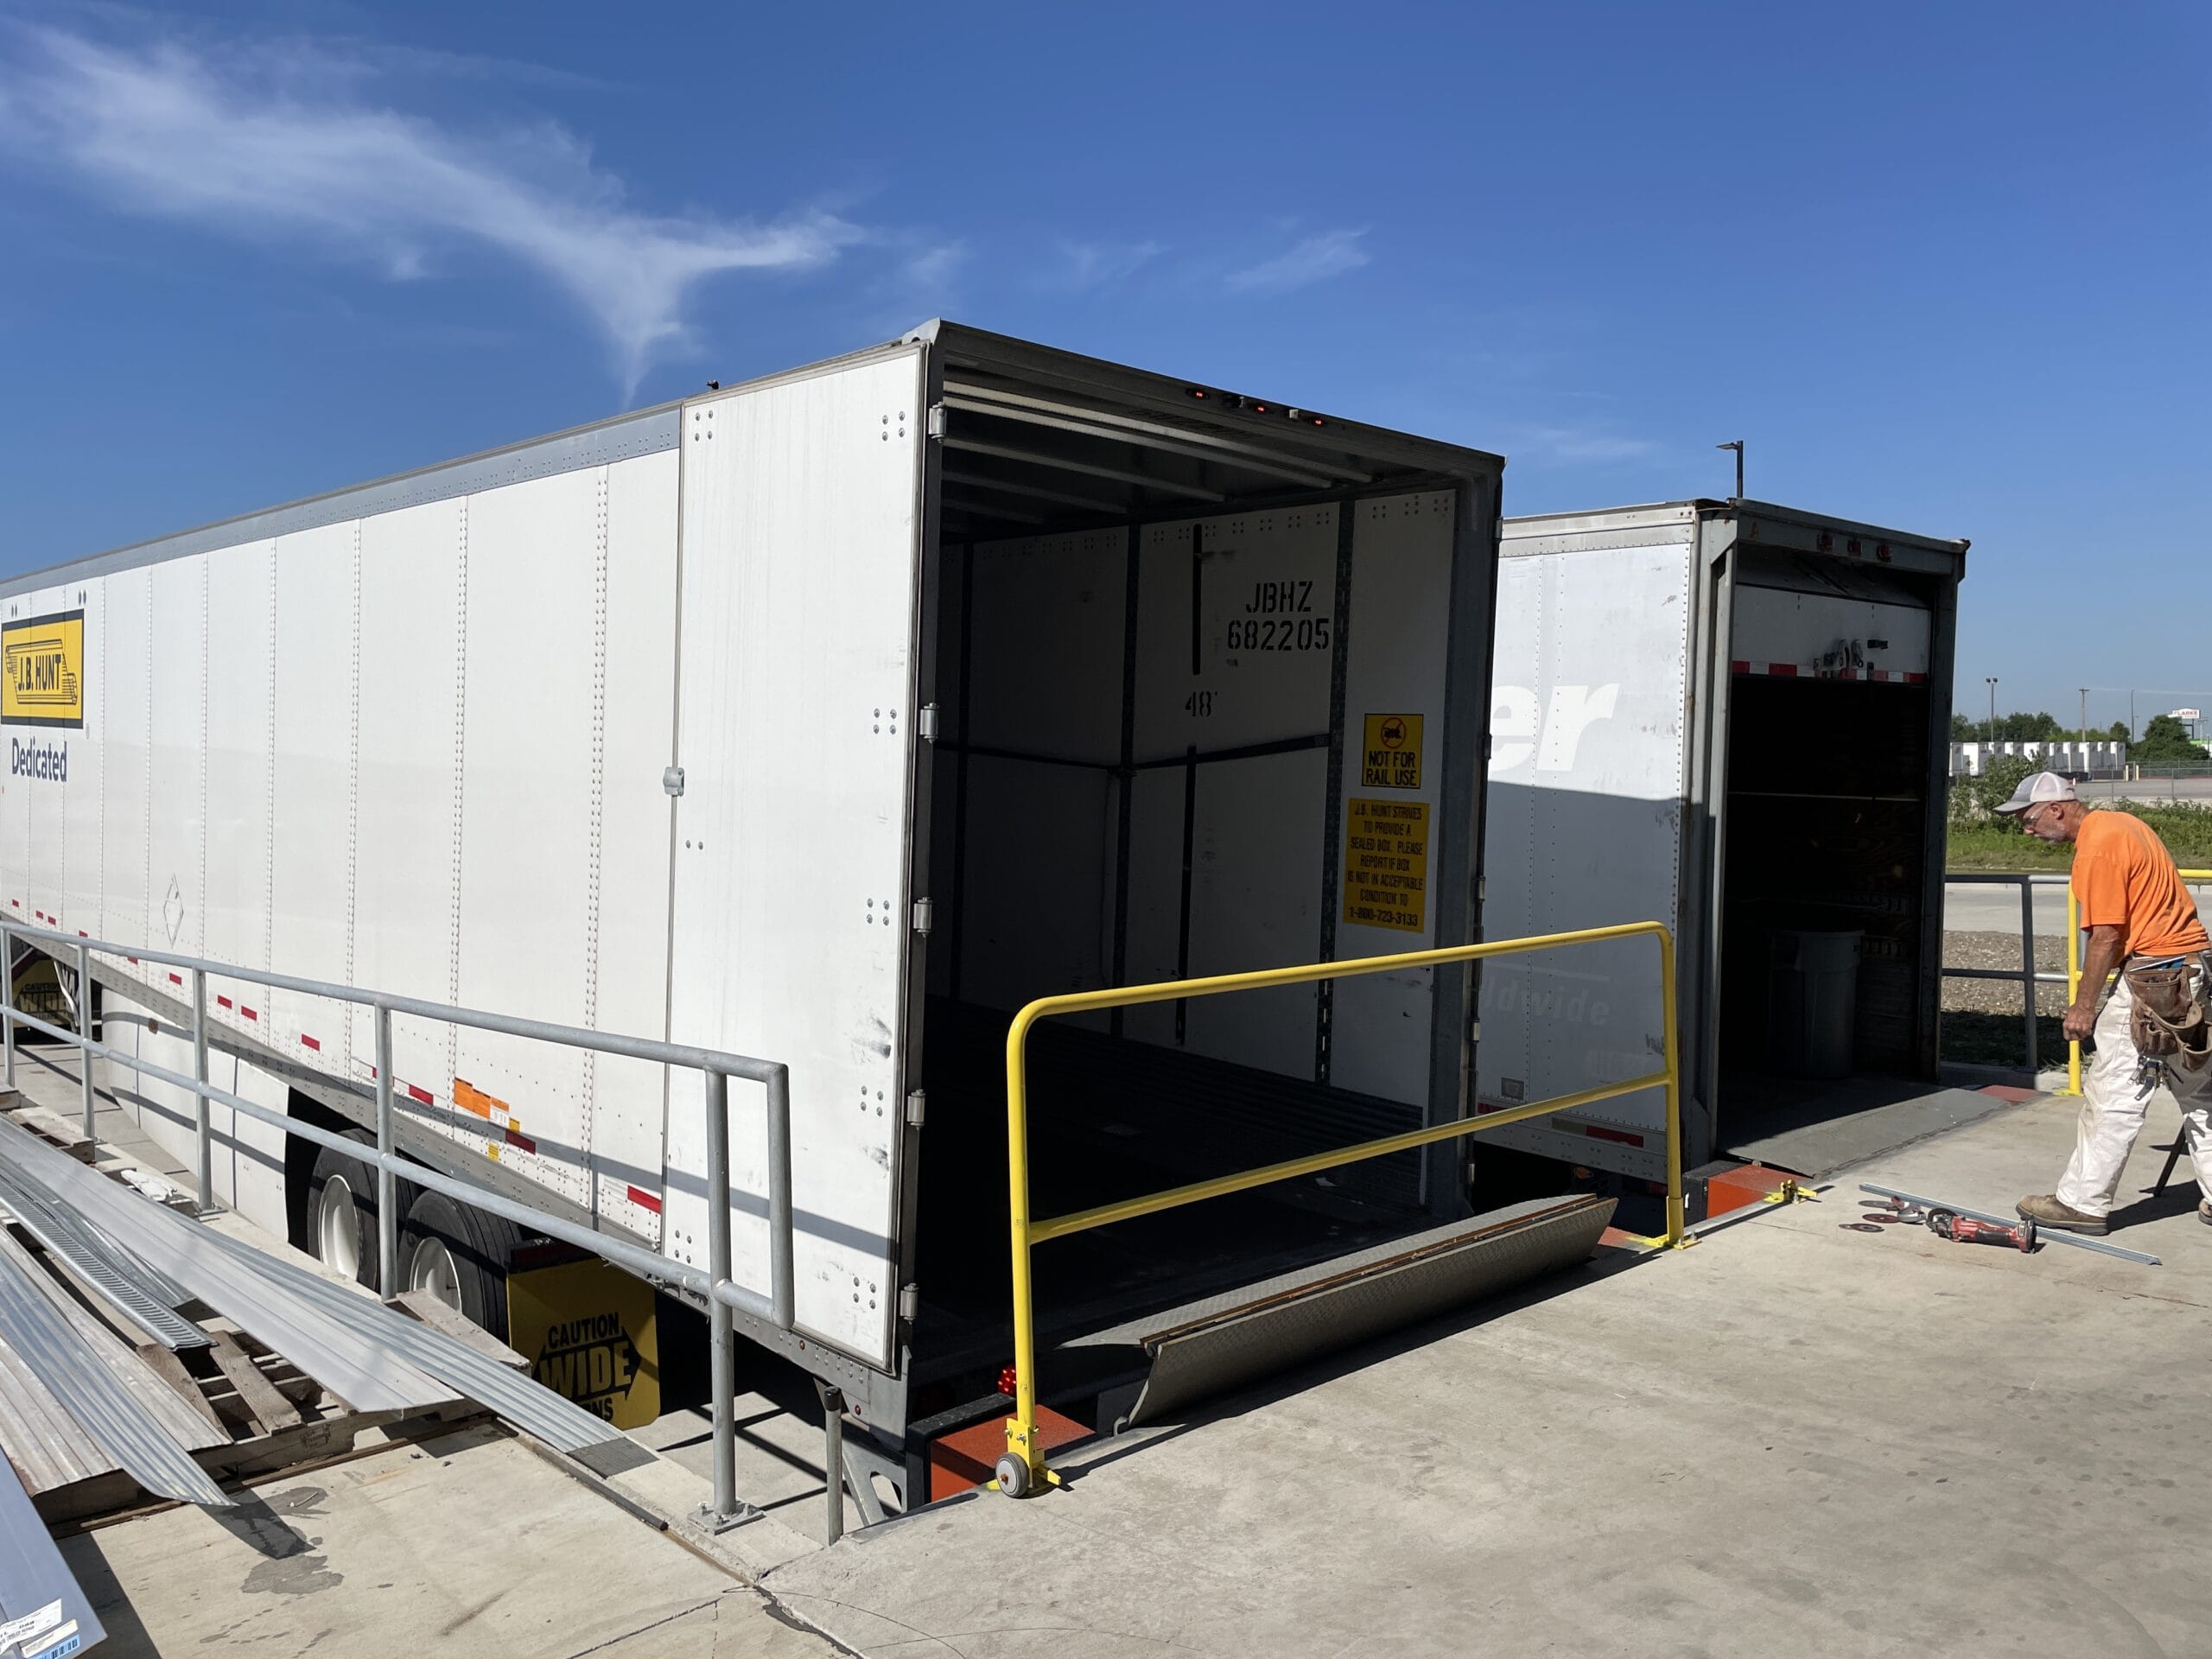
(2113, 1107)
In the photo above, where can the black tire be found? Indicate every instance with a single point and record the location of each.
(477, 1250)
(340, 1180)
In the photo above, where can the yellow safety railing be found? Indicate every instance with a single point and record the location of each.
(2073, 974)
(1023, 1469)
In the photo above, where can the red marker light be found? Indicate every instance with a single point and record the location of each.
(1259, 409)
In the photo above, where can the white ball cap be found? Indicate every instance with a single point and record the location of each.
(2037, 788)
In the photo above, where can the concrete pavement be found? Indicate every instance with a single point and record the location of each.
(1792, 1435)
(466, 1544)
(1981, 907)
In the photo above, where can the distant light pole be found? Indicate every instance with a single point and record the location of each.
(1990, 680)
(1738, 446)
(2085, 714)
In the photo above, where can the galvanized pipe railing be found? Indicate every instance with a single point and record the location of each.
(2026, 976)
(716, 1283)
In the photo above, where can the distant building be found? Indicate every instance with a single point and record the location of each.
(2098, 760)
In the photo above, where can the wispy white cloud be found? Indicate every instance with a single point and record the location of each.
(283, 141)
(1100, 264)
(1589, 445)
(930, 273)
(1329, 254)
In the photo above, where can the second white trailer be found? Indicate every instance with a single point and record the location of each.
(1733, 717)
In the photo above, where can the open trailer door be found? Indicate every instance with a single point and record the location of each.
(792, 922)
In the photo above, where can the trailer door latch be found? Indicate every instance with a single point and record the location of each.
(672, 780)
(924, 912)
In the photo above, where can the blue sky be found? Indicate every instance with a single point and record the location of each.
(1944, 267)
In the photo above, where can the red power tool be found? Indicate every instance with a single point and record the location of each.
(1964, 1230)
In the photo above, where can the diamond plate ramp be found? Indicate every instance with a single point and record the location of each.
(1208, 1347)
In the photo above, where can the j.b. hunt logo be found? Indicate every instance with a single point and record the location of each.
(42, 670)
(47, 762)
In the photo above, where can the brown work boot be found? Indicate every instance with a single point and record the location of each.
(2204, 1212)
(2045, 1211)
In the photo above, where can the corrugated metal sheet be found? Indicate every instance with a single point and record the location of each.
(129, 1425)
(49, 1447)
(526, 1404)
(339, 1353)
(40, 1598)
(149, 1299)
(373, 1357)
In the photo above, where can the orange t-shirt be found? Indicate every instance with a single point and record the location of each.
(2124, 877)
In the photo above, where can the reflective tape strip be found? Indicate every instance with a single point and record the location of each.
(644, 1200)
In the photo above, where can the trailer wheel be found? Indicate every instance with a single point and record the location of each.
(460, 1255)
(1013, 1475)
(342, 1213)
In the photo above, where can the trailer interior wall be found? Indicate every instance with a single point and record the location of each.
(1726, 718)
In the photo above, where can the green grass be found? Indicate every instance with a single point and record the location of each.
(2187, 831)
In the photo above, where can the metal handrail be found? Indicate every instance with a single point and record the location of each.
(2073, 971)
(2027, 975)
(1025, 1450)
(717, 1282)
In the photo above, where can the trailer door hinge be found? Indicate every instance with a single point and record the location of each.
(935, 427)
(672, 780)
(923, 912)
(926, 725)
(917, 1108)
(910, 1302)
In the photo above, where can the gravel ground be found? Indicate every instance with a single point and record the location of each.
(1999, 950)
(1981, 1017)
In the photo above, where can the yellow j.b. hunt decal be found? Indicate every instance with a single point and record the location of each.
(42, 670)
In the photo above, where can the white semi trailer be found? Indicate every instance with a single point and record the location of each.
(805, 719)
(1733, 717)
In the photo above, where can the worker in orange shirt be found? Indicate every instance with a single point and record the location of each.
(2152, 1034)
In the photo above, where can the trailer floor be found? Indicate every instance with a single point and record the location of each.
(1792, 1436)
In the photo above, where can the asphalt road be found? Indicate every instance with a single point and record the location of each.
(1976, 908)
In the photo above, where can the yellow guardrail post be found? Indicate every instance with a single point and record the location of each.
(1674, 1234)
(1022, 1468)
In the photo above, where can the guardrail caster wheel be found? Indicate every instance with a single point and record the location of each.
(1013, 1475)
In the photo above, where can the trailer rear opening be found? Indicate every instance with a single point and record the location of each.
(1165, 618)
(1732, 716)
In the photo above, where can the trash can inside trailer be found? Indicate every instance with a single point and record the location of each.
(1812, 1002)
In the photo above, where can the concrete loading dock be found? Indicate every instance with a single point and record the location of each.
(1791, 1435)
